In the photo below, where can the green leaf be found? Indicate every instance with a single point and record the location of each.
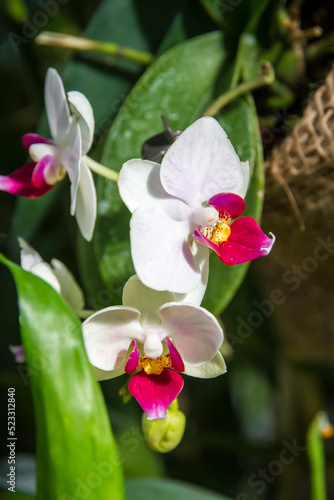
(151, 489)
(76, 451)
(240, 122)
(250, 17)
(213, 8)
(178, 85)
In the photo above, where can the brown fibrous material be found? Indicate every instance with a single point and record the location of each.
(300, 171)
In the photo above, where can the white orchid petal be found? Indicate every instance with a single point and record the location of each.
(139, 183)
(83, 114)
(246, 177)
(45, 271)
(69, 288)
(201, 254)
(212, 369)
(70, 147)
(56, 104)
(201, 163)
(146, 300)
(108, 334)
(38, 151)
(29, 256)
(160, 251)
(86, 204)
(195, 332)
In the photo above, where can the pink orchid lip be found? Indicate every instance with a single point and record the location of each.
(246, 242)
(38, 177)
(228, 203)
(155, 393)
(29, 139)
(20, 183)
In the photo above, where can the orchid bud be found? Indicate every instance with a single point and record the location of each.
(164, 435)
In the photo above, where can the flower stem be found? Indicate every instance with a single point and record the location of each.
(79, 43)
(319, 429)
(267, 77)
(99, 169)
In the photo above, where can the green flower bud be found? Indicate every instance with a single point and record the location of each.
(165, 435)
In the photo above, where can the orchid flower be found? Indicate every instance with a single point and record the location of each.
(191, 198)
(72, 136)
(154, 337)
(56, 274)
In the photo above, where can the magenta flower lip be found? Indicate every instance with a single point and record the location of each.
(245, 242)
(155, 386)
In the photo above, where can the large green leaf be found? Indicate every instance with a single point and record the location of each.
(178, 85)
(153, 489)
(76, 451)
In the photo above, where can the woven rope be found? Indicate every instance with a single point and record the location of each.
(300, 172)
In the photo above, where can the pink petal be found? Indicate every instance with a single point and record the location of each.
(246, 242)
(132, 362)
(175, 357)
(19, 182)
(42, 169)
(29, 139)
(155, 393)
(229, 203)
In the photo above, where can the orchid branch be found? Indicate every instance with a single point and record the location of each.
(99, 169)
(267, 77)
(84, 44)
